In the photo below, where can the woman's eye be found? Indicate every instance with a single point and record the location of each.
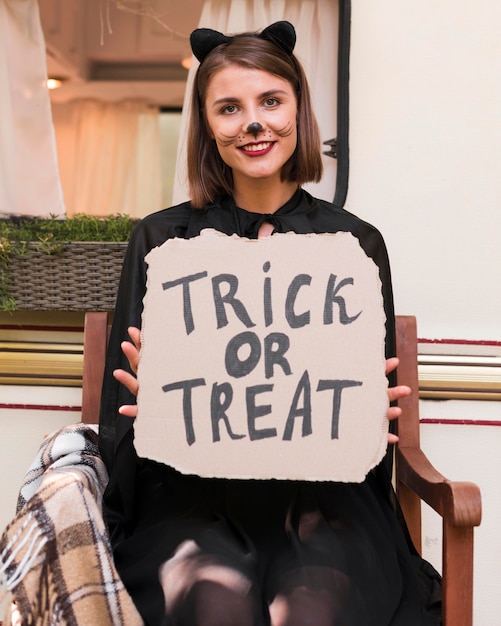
(229, 108)
(271, 102)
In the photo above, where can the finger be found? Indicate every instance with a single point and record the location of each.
(132, 354)
(129, 410)
(391, 364)
(127, 379)
(393, 412)
(398, 392)
(392, 438)
(135, 335)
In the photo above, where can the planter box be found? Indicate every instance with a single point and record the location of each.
(82, 277)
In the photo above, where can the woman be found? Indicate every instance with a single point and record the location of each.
(210, 551)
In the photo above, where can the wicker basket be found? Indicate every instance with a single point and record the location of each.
(83, 277)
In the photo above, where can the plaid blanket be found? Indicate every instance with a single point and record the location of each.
(56, 563)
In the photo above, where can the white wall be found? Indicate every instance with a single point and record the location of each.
(425, 155)
(471, 453)
(30, 414)
(425, 168)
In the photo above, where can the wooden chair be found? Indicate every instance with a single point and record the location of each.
(458, 503)
(96, 335)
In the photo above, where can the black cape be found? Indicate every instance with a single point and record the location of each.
(126, 497)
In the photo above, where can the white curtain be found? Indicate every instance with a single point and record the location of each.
(316, 23)
(110, 157)
(29, 180)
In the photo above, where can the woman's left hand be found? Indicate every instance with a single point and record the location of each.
(395, 393)
(131, 350)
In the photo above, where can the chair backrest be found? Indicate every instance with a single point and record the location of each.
(96, 335)
(407, 374)
(408, 425)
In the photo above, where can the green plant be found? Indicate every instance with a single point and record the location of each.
(50, 236)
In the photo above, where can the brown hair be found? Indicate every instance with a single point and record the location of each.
(208, 176)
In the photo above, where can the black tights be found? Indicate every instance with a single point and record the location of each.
(202, 589)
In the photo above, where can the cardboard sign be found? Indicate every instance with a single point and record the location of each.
(263, 358)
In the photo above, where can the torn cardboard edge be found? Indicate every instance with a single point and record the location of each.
(263, 358)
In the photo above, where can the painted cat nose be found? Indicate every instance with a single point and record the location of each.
(254, 128)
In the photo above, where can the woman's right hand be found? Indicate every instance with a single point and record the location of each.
(131, 350)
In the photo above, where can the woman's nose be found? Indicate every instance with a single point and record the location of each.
(254, 128)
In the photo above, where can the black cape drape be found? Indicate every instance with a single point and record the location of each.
(301, 214)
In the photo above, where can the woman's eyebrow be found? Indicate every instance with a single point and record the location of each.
(226, 100)
(273, 92)
(236, 99)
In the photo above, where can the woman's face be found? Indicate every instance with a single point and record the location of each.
(237, 97)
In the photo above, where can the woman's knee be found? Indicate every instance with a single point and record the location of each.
(313, 595)
(211, 603)
(207, 590)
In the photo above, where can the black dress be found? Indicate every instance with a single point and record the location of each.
(151, 509)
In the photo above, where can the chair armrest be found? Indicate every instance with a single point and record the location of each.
(457, 502)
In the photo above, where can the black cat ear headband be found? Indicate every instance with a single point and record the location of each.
(204, 40)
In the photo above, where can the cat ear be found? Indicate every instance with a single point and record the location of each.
(282, 34)
(204, 40)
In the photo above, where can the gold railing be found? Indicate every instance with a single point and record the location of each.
(50, 352)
